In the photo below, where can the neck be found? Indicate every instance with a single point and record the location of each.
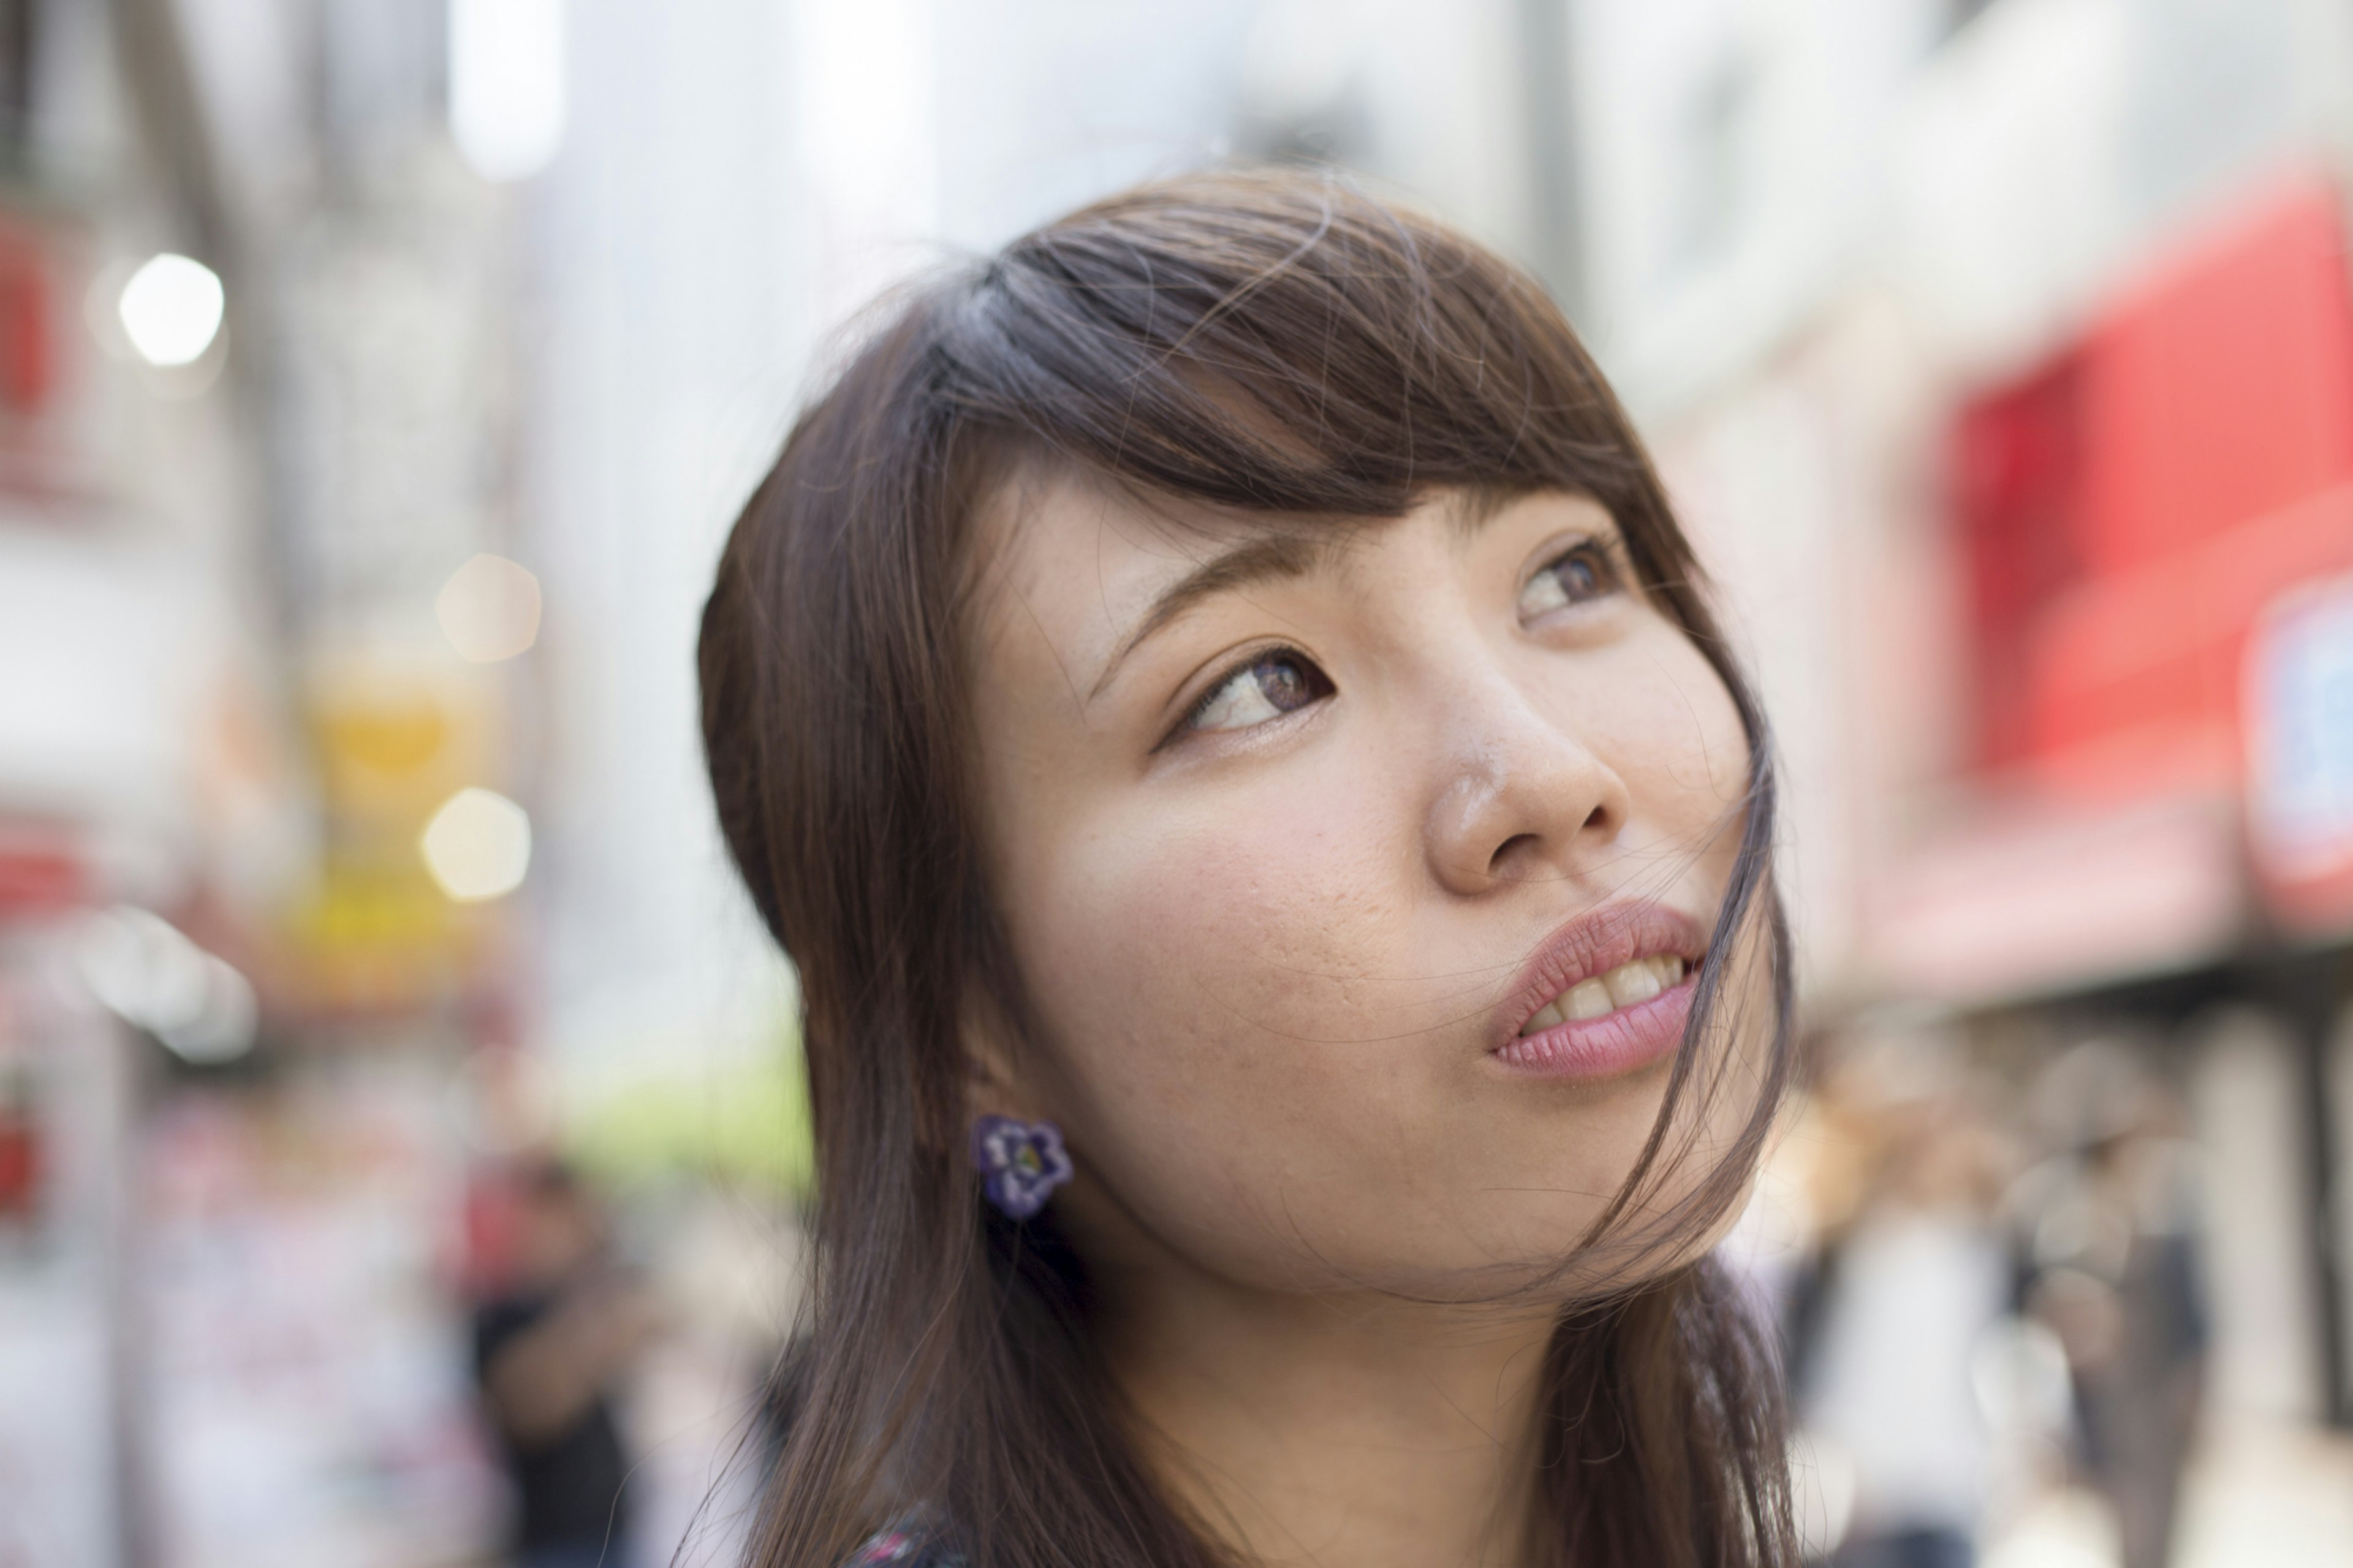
(1354, 1430)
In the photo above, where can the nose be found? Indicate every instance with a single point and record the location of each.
(1519, 797)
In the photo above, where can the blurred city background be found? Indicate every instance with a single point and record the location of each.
(393, 1084)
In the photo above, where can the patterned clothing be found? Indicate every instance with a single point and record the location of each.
(907, 1542)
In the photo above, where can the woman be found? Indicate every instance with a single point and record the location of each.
(1215, 705)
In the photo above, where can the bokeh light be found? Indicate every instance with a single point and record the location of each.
(506, 84)
(489, 609)
(478, 846)
(145, 970)
(171, 310)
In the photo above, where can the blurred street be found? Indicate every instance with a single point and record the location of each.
(402, 1136)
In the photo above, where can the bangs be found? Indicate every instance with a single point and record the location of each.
(1264, 343)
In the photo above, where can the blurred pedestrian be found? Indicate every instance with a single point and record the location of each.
(549, 1350)
(2109, 1230)
(1909, 1288)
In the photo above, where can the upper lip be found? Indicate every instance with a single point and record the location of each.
(1595, 943)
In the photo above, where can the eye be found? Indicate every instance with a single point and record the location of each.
(1280, 680)
(1583, 573)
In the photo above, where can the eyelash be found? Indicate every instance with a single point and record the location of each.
(1606, 579)
(1599, 558)
(1278, 654)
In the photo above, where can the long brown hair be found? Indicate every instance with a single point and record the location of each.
(1272, 342)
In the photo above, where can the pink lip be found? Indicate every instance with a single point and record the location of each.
(1616, 1042)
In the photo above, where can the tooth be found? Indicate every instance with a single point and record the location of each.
(1545, 1018)
(1632, 983)
(1586, 999)
(1670, 966)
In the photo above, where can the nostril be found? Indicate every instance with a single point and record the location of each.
(1508, 848)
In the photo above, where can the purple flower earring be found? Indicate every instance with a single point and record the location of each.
(1024, 1162)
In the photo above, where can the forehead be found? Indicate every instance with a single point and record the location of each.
(1042, 520)
(1079, 558)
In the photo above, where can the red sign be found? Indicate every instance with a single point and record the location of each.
(40, 872)
(2128, 511)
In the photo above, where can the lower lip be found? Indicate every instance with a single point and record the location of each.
(1615, 1043)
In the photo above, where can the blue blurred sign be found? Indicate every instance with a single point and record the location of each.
(2300, 731)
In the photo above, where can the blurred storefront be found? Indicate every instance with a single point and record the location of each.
(119, 765)
(224, 1342)
(290, 797)
(2010, 384)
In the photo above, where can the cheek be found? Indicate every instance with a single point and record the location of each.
(1221, 985)
(1219, 931)
(1665, 722)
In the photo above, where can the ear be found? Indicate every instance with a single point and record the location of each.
(996, 1082)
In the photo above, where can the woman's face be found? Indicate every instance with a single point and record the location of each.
(1357, 872)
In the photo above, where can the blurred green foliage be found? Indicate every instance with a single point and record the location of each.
(743, 1121)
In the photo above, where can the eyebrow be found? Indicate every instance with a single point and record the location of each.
(1267, 558)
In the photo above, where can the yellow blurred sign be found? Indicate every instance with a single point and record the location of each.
(393, 740)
